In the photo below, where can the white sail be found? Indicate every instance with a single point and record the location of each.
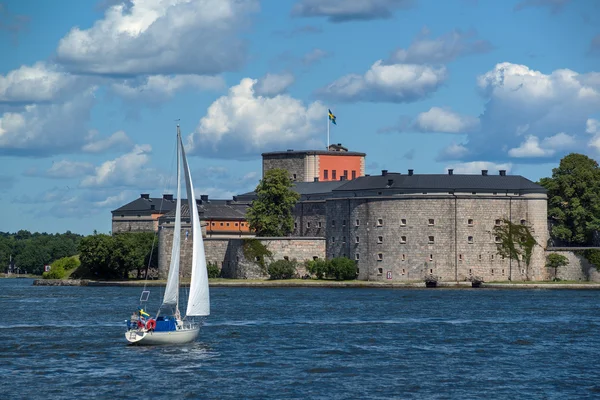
(199, 298)
(171, 297)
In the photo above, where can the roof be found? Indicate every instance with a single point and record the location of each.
(313, 152)
(302, 188)
(443, 183)
(161, 205)
(213, 209)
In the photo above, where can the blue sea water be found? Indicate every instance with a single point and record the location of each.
(306, 343)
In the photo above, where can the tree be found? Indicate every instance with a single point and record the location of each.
(556, 261)
(271, 214)
(339, 268)
(283, 269)
(574, 199)
(515, 242)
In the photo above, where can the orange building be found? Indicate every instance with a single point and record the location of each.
(336, 163)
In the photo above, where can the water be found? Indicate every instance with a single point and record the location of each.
(306, 343)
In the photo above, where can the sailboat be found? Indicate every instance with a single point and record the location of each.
(168, 326)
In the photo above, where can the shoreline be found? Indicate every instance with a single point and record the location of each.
(324, 284)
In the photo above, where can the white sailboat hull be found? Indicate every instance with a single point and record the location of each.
(147, 338)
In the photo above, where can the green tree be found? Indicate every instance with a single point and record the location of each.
(516, 242)
(556, 261)
(271, 214)
(593, 256)
(283, 269)
(574, 199)
(95, 254)
(342, 269)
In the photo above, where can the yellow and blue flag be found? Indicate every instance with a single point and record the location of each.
(332, 117)
(143, 313)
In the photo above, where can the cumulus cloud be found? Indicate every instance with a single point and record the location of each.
(155, 89)
(64, 169)
(160, 37)
(397, 83)
(128, 170)
(475, 167)
(528, 112)
(273, 84)
(45, 129)
(38, 83)
(243, 123)
(117, 141)
(344, 10)
(554, 5)
(442, 49)
(444, 120)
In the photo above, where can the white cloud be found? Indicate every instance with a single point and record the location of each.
(160, 37)
(444, 120)
(117, 141)
(398, 83)
(65, 169)
(38, 83)
(344, 10)
(156, 89)
(592, 126)
(524, 102)
(273, 84)
(44, 129)
(442, 49)
(243, 123)
(128, 170)
(452, 152)
(475, 167)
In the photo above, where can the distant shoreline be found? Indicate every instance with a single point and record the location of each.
(324, 283)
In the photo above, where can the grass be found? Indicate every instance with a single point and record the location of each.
(544, 282)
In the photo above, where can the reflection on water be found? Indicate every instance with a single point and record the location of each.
(299, 343)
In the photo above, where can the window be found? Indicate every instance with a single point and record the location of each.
(379, 256)
(286, 258)
(403, 257)
(492, 257)
(357, 222)
(295, 225)
(431, 270)
(333, 239)
(523, 222)
(319, 225)
(403, 271)
(357, 240)
(498, 222)
(431, 239)
(346, 173)
(431, 221)
(470, 271)
(332, 222)
(294, 176)
(431, 257)
(333, 174)
(402, 239)
(379, 239)
(492, 271)
(460, 257)
(343, 239)
(470, 222)
(343, 222)
(308, 224)
(353, 174)
(236, 224)
(221, 224)
(213, 224)
(403, 222)
(479, 257)
(227, 224)
(380, 222)
(325, 174)
(315, 258)
(242, 224)
(502, 272)
(357, 256)
(497, 239)
(470, 239)
(473, 192)
(379, 271)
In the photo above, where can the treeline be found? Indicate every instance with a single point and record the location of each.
(31, 251)
(121, 256)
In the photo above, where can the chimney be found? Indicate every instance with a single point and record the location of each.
(290, 149)
(384, 172)
(450, 171)
(484, 172)
(167, 197)
(390, 182)
(410, 172)
(342, 178)
(204, 198)
(316, 179)
(502, 172)
(145, 196)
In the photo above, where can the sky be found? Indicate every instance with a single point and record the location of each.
(91, 92)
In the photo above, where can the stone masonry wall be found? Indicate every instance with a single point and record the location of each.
(579, 269)
(310, 219)
(133, 224)
(393, 238)
(293, 163)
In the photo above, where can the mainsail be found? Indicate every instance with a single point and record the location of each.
(198, 301)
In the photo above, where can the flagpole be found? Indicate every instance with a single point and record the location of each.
(328, 130)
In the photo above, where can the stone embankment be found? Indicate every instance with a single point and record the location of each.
(61, 282)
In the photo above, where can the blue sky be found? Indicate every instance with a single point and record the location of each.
(90, 91)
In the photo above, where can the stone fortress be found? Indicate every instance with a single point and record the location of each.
(397, 226)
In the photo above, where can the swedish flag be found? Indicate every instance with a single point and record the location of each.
(143, 313)
(332, 117)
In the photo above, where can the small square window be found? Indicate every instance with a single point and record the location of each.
(479, 257)
(295, 225)
(403, 221)
(333, 239)
(403, 257)
(402, 239)
(236, 224)
(379, 256)
(221, 224)
(357, 240)
(470, 222)
(379, 271)
(319, 224)
(357, 256)
(460, 257)
(431, 221)
(431, 257)
(431, 239)
(308, 224)
(492, 257)
(403, 271)
(431, 270)
(498, 222)
(470, 239)
(470, 271)
(492, 271)
(357, 222)
(380, 222)
(294, 176)
(379, 239)
(523, 222)
(497, 239)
